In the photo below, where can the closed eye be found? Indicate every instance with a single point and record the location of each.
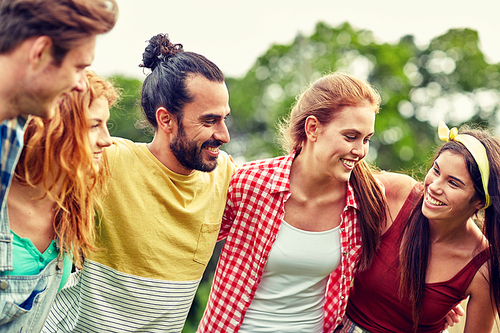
(95, 124)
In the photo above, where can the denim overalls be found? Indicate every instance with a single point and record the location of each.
(25, 301)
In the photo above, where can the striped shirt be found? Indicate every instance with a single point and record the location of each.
(156, 233)
(101, 299)
(255, 204)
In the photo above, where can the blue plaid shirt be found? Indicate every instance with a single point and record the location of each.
(12, 132)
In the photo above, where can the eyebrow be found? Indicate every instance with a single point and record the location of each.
(452, 177)
(213, 116)
(358, 132)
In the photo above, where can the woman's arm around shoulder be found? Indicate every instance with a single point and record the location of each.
(397, 188)
(480, 311)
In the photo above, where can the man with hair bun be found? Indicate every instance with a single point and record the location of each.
(161, 215)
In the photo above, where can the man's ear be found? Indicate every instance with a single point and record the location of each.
(311, 128)
(40, 52)
(166, 121)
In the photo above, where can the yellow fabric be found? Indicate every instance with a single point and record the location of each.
(156, 223)
(477, 150)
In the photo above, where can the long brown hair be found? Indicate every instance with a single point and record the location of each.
(323, 99)
(57, 155)
(415, 245)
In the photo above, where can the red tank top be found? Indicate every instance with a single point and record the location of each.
(373, 300)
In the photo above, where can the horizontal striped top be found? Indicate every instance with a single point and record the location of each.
(156, 233)
(101, 299)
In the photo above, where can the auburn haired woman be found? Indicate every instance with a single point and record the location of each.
(298, 225)
(51, 202)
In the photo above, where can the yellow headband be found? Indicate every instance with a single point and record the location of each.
(477, 150)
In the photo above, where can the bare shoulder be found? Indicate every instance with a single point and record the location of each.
(397, 185)
(480, 311)
(397, 188)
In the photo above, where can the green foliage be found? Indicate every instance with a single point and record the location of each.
(449, 80)
(126, 118)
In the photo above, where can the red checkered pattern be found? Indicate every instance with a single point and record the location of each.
(255, 202)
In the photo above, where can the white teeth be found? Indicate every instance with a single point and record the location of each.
(214, 149)
(434, 202)
(348, 163)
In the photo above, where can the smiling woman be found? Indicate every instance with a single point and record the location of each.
(298, 225)
(51, 201)
(433, 254)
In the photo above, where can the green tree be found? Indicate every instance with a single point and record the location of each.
(126, 119)
(448, 79)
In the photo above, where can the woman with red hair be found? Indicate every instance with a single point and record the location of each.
(51, 202)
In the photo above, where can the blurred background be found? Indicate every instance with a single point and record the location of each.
(430, 60)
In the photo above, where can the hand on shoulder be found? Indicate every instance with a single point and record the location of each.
(397, 185)
(397, 188)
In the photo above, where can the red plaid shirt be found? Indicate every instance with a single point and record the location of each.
(252, 218)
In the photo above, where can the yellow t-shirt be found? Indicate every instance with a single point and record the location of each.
(156, 223)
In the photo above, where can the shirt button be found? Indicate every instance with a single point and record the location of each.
(344, 253)
(40, 259)
(342, 297)
(342, 229)
(4, 285)
(343, 277)
(338, 319)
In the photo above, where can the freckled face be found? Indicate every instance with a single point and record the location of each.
(203, 129)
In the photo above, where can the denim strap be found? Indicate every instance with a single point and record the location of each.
(6, 239)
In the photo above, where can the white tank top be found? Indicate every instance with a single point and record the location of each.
(291, 294)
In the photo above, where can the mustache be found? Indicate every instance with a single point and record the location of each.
(212, 143)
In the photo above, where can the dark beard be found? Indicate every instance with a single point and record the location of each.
(189, 155)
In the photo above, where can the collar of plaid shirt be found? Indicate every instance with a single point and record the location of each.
(12, 136)
(251, 221)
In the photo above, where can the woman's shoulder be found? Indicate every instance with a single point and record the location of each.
(269, 173)
(397, 188)
(397, 185)
(264, 165)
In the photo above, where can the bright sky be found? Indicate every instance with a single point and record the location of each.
(234, 33)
